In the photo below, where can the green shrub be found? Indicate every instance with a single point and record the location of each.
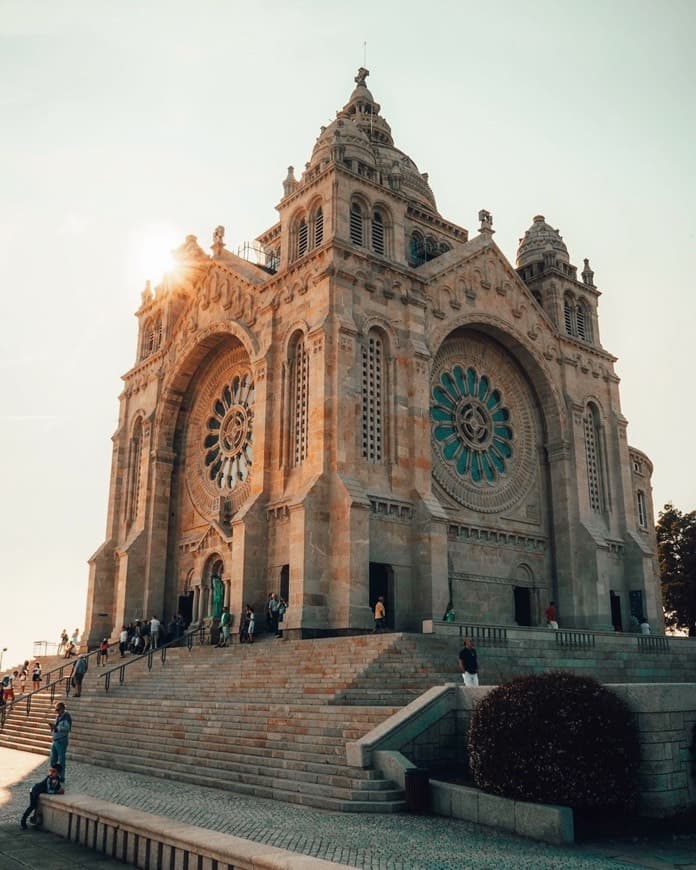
(556, 738)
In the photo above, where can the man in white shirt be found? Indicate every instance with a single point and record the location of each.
(154, 632)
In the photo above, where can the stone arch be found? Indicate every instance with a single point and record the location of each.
(528, 357)
(187, 366)
(379, 323)
(289, 335)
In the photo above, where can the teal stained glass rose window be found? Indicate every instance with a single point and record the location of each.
(471, 424)
(227, 443)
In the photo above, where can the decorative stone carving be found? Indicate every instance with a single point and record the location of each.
(483, 432)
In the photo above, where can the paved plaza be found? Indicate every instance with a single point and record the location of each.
(378, 842)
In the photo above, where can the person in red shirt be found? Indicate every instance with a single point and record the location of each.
(550, 613)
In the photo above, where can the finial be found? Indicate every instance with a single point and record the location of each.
(218, 245)
(146, 295)
(587, 274)
(290, 183)
(486, 219)
(361, 76)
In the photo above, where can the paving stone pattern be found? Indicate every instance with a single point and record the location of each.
(376, 841)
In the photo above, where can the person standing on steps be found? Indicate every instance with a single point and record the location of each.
(273, 611)
(123, 641)
(224, 627)
(251, 628)
(60, 729)
(155, 629)
(36, 677)
(78, 674)
(551, 615)
(468, 663)
(282, 610)
(380, 614)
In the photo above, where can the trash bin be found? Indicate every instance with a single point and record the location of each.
(417, 788)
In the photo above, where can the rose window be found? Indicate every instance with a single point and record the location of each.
(471, 425)
(227, 443)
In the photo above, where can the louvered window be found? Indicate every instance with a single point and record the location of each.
(580, 319)
(300, 403)
(356, 224)
(568, 316)
(302, 238)
(594, 460)
(318, 227)
(372, 399)
(377, 233)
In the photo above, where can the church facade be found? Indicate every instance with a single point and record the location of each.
(382, 405)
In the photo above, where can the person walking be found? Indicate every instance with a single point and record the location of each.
(60, 729)
(380, 614)
(63, 642)
(468, 663)
(103, 653)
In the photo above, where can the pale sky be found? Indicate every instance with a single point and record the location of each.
(124, 126)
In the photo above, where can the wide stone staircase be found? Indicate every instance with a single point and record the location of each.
(273, 719)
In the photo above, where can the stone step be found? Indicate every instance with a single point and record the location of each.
(309, 794)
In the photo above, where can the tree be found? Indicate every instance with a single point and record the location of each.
(676, 550)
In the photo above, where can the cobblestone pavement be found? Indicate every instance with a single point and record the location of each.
(375, 841)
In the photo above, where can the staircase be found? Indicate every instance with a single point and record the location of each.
(272, 719)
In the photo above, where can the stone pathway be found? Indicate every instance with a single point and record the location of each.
(377, 842)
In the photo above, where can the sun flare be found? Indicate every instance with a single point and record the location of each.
(151, 247)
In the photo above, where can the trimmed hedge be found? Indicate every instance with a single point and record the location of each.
(556, 738)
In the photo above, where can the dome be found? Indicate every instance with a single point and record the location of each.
(361, 133)
(342, 133)
(539, 240)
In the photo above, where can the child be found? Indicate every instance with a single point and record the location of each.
(50, 785)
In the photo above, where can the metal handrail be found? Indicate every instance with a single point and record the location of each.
(9, 708)
(188, 639)
(69, 663)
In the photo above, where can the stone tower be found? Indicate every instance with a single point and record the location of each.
(379, 405)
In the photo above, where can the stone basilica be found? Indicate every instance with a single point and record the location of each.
(380, 405)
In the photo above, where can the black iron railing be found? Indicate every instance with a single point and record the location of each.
(197, 637)
(52, 688)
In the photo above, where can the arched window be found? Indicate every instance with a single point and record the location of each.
(373, 382)
(302, 238)
(135, 452)
(431, 248)
(357, 224)
(378, 233)
(299, 401)
(594, 458)
(642, 510)
(416, 252)
(318, 228)
(584, 322)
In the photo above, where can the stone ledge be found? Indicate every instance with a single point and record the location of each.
(552, 824)
(149, 841)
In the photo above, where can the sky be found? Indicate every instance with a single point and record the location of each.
(125, 126)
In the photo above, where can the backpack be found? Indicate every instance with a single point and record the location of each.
(6, 681)
(81, 666)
